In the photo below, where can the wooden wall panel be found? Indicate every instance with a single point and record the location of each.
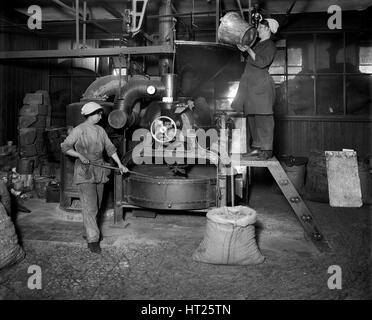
(315, 135)
(281, 137)
(17, 78)
(300, 137)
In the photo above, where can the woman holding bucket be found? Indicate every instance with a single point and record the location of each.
(256, 92)
(86, 142)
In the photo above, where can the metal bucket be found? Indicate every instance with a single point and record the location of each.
(235, 30)
(25, 165)
(295, 168)
(40, 186)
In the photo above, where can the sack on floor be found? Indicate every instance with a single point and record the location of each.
(10, 251)
(5, 196)
(229, 238)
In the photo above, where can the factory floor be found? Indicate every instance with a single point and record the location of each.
(151, 258)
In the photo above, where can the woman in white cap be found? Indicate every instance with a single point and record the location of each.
(256, 93)
(86, 142)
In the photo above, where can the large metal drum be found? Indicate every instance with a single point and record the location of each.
(235, 30)
(161, 189)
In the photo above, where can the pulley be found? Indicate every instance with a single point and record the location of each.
(163, 129)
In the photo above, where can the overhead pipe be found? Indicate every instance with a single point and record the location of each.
(165, 34)
(102, 88)
(135, 89)
(97, 21)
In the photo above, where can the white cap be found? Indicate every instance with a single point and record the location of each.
(273, 25)
(90, 107)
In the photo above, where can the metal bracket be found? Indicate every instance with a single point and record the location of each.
(133, 24)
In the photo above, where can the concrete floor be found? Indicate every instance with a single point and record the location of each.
(151, 258)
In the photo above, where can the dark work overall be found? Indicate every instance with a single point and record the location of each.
(256, 95)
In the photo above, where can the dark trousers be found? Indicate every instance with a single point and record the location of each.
(261, 129)
(91, 198)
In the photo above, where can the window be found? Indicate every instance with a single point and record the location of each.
(278, 65)
(329, 95)
(280, 106)
(358, 52)
(324, 74)
(300, 95)
(300, 52)
(358, 94)
(294, 60)
(365, 59)
(329, 53)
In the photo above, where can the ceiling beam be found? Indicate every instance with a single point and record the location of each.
(69, 9)
(10, 17)
(84, 53)
(81, 17)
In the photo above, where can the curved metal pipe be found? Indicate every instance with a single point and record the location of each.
(103, 87)
(133, 91)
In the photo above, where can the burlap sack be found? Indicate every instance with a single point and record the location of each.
(229, 238)
(5, 196)
(10, 251)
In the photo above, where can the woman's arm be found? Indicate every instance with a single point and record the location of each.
(251, 53)
(244, 48)
(263, 57)
(73, 153)
(122, 168)
(111, 151)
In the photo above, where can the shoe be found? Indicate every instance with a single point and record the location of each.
(94, 247)
(265, 154)
(254, 152)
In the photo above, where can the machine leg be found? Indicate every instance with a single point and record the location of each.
(118, 208)
(118, 214)
(119, 218)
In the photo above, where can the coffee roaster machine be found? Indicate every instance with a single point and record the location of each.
(161, 121)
